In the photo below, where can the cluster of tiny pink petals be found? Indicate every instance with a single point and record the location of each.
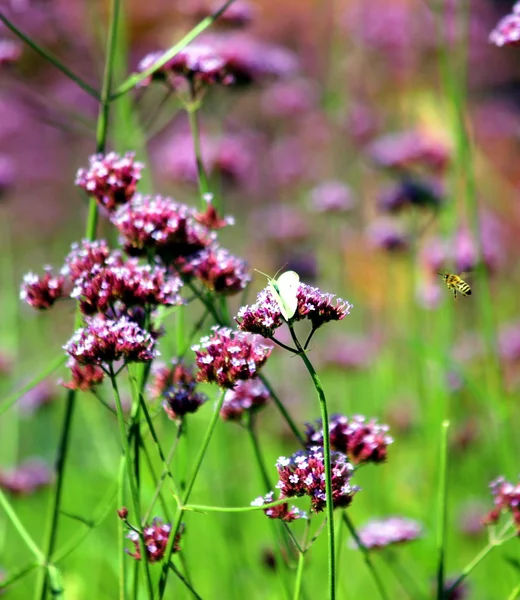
(130, 284)
(110, 178)
(245, 396)
(385, 532)
(42, 292)
(361, 440)
(104, 341)
(84, 256)
(228, 356)
(26, 478)
(281, 511)
(197, 63)
(409, 149)
(506, 499)
(156, 537)
(263, 317)
(220, 271)
(162, 225)
(84, 377)
(210, 217)
(303, 474)
(507, 31)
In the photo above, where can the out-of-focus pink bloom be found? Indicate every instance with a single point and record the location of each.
(250, 395)
(389, 235)
(429, 294)
(507, 31)
(10, 52)
(288, 161)
(362, 122)
(40, 395)
(156, 537)
(411, 193)
(42, 292)
(282, 511)
(289, 99)
(84, 377)
(7, 173)
(238, 15)
(469, 519)
(350, 353)
(509, 342)
(507, 500)
(27, 478)
(332, 196)
(283, 224)
(408, 150)
(381, 533)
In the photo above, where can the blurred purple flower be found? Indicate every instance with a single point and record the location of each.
(250, 395)
(228, 356)
(290, 99)
(10, 52)
(238, 15)
(27, 478)
(332, 196)
(282, 511)
(506, 497)
(40, 395)
(42, 292)
(507, 31)
(509, 342)
(388, 235)
(156, 537)
(411, 193)
(84, 377)
(381, 533)
(282, 224)
(348, 353)
(7, 173)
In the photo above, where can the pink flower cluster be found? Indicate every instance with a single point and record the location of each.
(361, 440)
(84, 377)
(380, 533)
(264, 317)
(42, 292)
(303, 474)
(110, 178)
(227, 357)
(27, 478)
(156, 537)
(250, 395)
(281, 511)
(220, 271)
(506, 499)
(507, 31)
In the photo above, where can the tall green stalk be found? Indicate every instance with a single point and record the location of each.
(442, 511)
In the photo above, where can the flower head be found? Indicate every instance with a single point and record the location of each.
(42, 292)
(83, 257)
(84, 377)
(362, 441)
(110, 178)
(105, 341)
(385, 532)
(332, 196)
(26, 478)
(507, 500)
(386, 234)
(220, 271)
(303, 474)
(156, 537)
(411, 192)
(227, 357)
(507, 31)
(210, 217)
(246, 395)
(282, 511)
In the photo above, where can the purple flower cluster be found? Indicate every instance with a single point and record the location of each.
(227, 357)
(282, 511)
(84, 377)
(156, 537)
(220, 271)
(176, 385)
(27, 478)
(249, 395)
(386, 532)
(507, 31)
(110, 178)
(506, 499)
(361, 440)
(42, 292)
(332, 197)
(303, 474)
(105, 341)
(264, 317)
(411, 192)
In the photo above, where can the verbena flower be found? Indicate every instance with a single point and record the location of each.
(105, 341)
(227, 357)
(350, 353)
(507, 501)
(26, 478)
(381, 533)
(86, 255)
(303, 474)
(176, 384)
(220, 271)
(388, 235)
(290, 99)
(361, 440)
(264, 317)
(110, 178)
(42, 292)
(250, 395)
(507, 31)
(156, 537)
(282, 511)
(411, 192)
(210, 217)
(84, 377)
(130, 284)
(332, 196)
(40, 395)
(159, 225)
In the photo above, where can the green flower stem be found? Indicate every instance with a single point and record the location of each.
(50, 58)
(134, 493)
(328, 469)
(137, 78)
(16, 575)
(18, 525)
(442, 510)
(301, 562)
(189, 488)
(366, 556)
(230, 509)
(185, 581)
(15, 396)
(515, 594)
(204, 189)
(121, 529)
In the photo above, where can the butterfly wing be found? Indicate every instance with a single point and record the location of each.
(285, 290)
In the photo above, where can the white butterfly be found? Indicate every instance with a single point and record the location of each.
(285, 289)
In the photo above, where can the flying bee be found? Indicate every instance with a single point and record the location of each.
(455, 283)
